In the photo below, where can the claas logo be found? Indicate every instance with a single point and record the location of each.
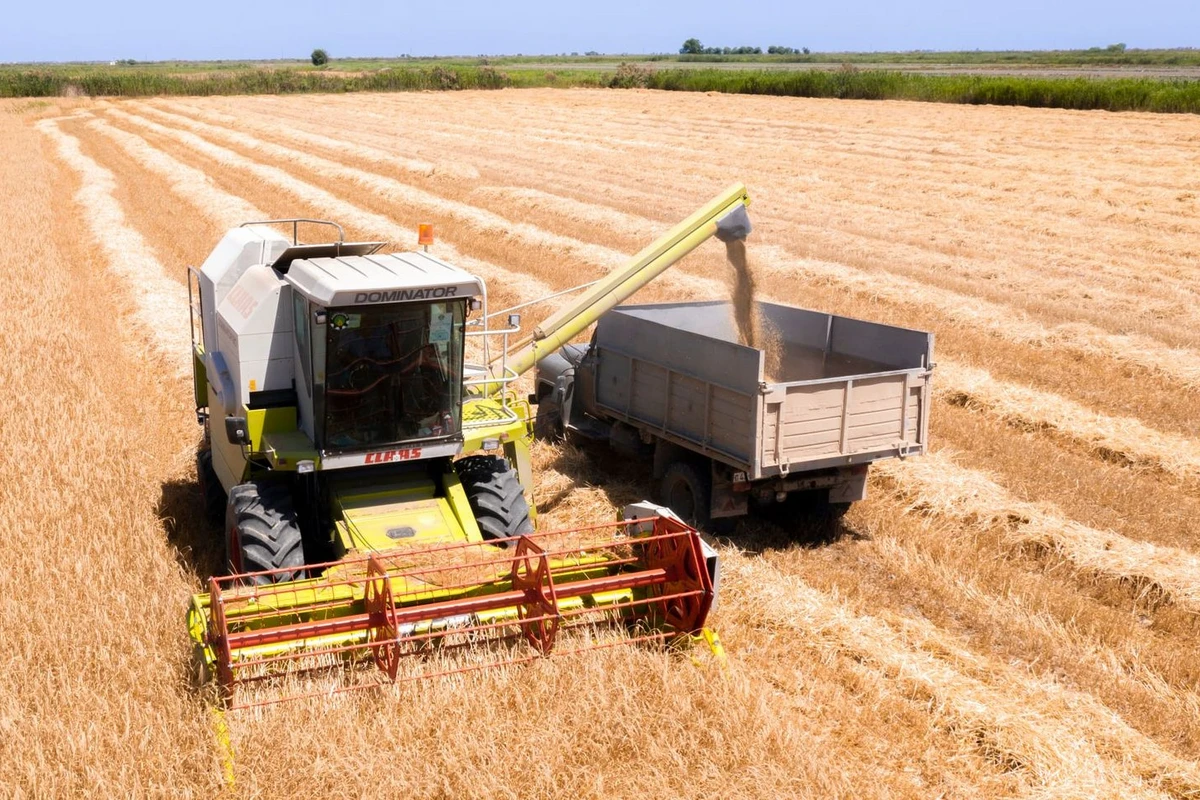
(242, 301)
(384, 456)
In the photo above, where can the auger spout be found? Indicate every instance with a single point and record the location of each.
(724, 217)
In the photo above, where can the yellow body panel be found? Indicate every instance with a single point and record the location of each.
(199, 377)
(456, 497)
(386, 517)
(284, 449)
(260, 421)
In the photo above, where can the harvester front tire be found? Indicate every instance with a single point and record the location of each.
(263, 532)
(496, 496)
(686, 491)
(210, 486)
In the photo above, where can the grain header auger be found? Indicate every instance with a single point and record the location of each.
(373, 482)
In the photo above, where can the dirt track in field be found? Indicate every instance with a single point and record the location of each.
(1015, 614)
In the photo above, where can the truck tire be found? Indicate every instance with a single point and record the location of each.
(262, 532)
(809, 516)
(210, 486)
(686, 491)
(496, 496)
(548, 424)
(835, 511)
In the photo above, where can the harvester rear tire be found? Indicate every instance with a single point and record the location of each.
(496, 496)
(210, 486)
(263, 533)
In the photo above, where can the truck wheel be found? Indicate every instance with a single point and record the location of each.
(685, 490)
(809, 516)
(496, 496)
(262, 532)
(210, 486)
(548, 424)
(835, 511)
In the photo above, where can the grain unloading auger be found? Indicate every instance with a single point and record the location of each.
(356, 530)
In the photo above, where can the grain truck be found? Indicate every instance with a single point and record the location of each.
(728, 427)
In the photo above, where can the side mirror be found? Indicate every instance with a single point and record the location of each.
(514, 320)
(236, 430)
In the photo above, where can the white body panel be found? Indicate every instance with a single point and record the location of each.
(388, 278)
(253, 353)
(228, 461)
(254, 333)
(237, 251)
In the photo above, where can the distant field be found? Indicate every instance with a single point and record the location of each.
(1161, 81)
(1016, 614)
(923, 68)
(1097, 57)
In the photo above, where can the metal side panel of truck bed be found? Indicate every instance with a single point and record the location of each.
(832, 391)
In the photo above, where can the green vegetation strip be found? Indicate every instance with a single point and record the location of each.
(1112, 56)
(132, 82)
(1110, 94)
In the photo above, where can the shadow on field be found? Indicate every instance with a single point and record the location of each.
(199, 547)
(197, 541)
(623, 480)
(792, 524)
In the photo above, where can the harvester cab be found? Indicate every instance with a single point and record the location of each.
(338, 372)
(372, 481)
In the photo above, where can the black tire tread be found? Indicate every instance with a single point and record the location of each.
(267, 529)
(548, 424)
(210, 486)
(701, 493)
(496, 496)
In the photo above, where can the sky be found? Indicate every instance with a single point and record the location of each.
(152, 30)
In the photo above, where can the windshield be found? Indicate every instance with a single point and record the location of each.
(393, 373)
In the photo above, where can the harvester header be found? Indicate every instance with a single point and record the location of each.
(410, 611)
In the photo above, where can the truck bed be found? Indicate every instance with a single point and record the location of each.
(833, 391)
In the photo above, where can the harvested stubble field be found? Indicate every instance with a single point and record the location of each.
(1015, 614)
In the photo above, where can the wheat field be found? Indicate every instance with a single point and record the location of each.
(1015, 614)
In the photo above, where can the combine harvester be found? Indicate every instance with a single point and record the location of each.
(373, 482)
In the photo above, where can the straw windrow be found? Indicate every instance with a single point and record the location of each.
(160, 308)
(1031, 727)
(935, 485)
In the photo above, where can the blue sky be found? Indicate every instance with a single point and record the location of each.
(80, 30)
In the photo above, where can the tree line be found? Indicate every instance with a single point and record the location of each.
(694, 47)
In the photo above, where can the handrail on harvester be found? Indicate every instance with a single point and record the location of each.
(724, 216)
